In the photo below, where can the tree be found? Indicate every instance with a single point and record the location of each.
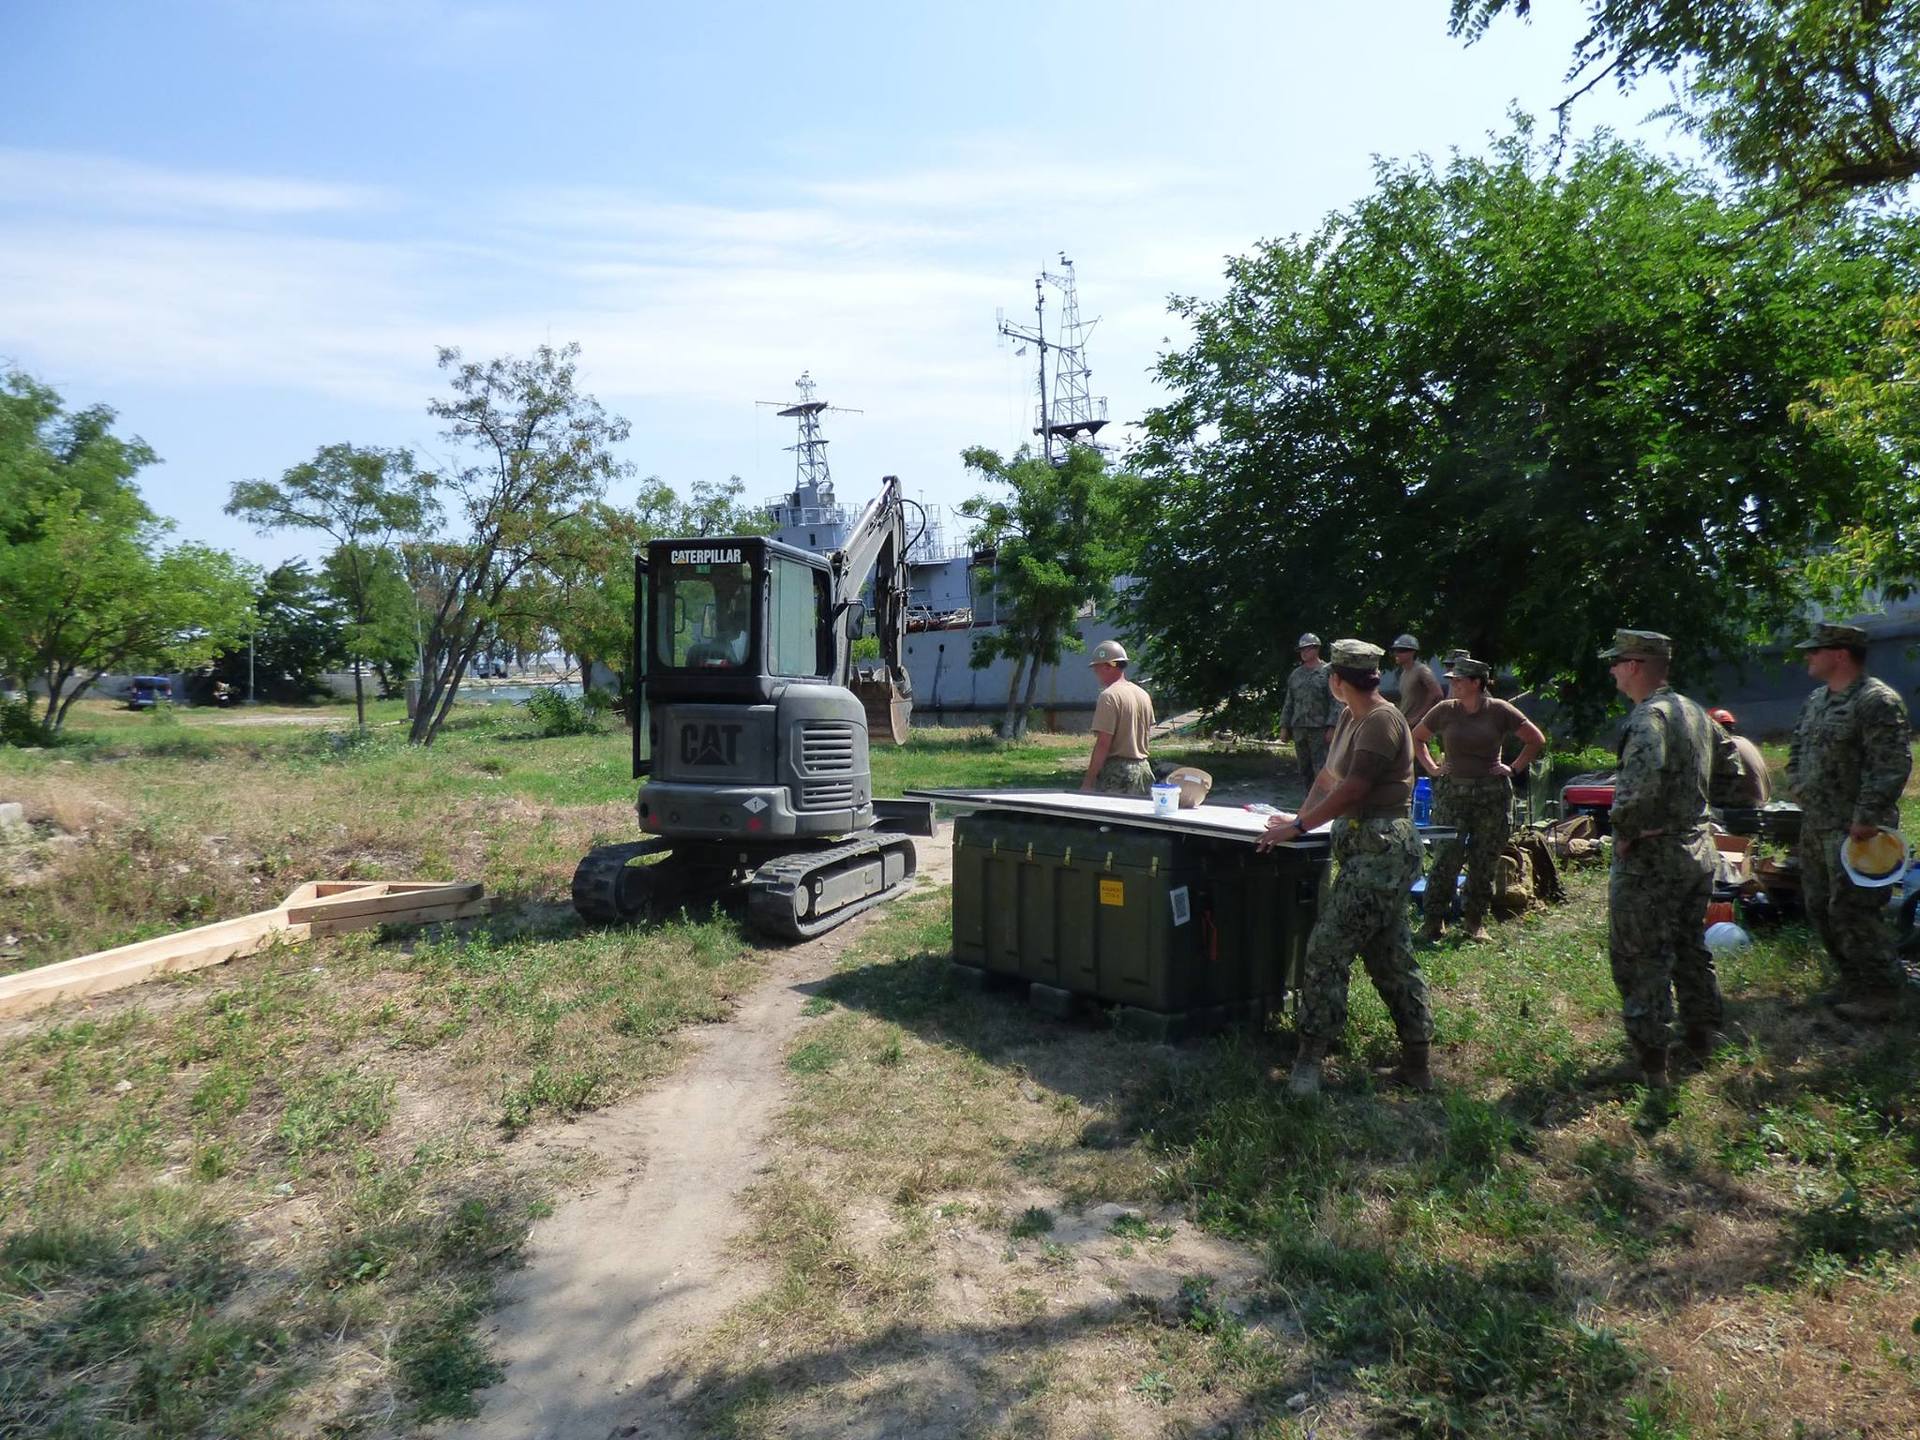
(1819, 96)
(388, 635)
(1510, 409)
(582, 594)
(364, 499)
(541, 450)
(297, 633)
(1058, 544)
(85, 585)
(1875, 410)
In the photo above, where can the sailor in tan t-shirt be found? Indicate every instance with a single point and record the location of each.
(1122, 716)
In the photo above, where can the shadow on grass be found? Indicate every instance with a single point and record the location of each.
(1360, 1200)
(976, 1379)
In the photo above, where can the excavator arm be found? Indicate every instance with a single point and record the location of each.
(876, 547)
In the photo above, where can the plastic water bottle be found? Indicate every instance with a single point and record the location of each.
(1423, 801)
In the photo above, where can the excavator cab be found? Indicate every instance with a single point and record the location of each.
(749, 737)
(751, 730)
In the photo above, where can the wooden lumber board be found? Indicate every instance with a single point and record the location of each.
(395, 902)
(386, 896)
(329, 924)
(327, 889)
(129, 964)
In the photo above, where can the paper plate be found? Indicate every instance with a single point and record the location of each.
(1881, 860)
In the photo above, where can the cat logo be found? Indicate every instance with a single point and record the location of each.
(710, 744)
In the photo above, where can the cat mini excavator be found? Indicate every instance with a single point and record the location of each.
(752, 726)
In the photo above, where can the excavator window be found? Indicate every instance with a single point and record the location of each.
(706, 618)
(795, 608)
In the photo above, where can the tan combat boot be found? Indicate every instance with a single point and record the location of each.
(1653, 1065)
(1435, 927)
(1304, 1081)
(1703, 1040)
(1876, 1007)
(1415, 1071)
(1476, 931)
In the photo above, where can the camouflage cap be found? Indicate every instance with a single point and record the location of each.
(1468, 668)
(1357, 654)
(1639, 645)
(1404, 642)
(1305, 640)
(1109, 652)
(1457, 653)
(1827, 637)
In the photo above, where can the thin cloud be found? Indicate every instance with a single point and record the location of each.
(43, 181)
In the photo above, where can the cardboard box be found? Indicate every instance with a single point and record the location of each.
(1737, 850)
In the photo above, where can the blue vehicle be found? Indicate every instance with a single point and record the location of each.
(148, 691)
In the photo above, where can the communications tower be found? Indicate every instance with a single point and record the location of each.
(808, 515)
(1073, 414)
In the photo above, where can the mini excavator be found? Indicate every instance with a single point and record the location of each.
(751, 728)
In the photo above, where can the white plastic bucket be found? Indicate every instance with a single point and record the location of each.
(1166, 799)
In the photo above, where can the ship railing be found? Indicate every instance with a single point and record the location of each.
(785, 515)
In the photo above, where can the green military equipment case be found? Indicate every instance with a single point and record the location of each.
(1167, 923)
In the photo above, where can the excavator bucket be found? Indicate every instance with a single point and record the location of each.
(889, 710)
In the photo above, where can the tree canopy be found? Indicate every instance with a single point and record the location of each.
(1821, 97)
(1059, 542)
(365, 499)
(536, 449)
(86, 584)
(1510, 408)
(298, 633)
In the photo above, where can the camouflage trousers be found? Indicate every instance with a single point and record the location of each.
(1365, 914)
(1125, 777)
(1310, 752)
(1657, 896)
(1480, 810)
(1851, 920)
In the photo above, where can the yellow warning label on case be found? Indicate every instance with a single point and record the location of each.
(1113, 892)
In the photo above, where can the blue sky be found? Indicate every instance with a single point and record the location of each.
(247, 224)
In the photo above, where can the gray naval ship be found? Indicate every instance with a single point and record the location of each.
(952, 608)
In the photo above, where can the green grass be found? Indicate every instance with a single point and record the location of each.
(1536, 1250)
(276, 1195)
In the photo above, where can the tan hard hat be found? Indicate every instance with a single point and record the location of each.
(1109, 652)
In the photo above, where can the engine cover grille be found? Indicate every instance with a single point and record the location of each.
(827, 795)
(826, 747)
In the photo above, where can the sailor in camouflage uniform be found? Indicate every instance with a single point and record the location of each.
(1849, 763)
(1306, 718)
(1366, 789)
(1673, 759)
(1473, 790)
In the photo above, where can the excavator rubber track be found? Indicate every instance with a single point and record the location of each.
(807, 893)
(609, 889)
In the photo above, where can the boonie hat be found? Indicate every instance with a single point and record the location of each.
(1356, 654)
(1405, 642)
(1725, 717)
(1826, 637)
(1880, 859)
(1468, 668)
(1109, 652)
(1639, 645)
(1305, 640)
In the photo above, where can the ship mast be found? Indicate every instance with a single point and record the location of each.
(1074, 416)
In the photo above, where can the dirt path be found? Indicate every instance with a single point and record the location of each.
(623, 1276)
